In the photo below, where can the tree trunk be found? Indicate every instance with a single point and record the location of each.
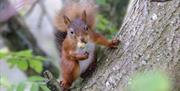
(150, 39)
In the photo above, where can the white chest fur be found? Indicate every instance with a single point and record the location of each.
(84, 64)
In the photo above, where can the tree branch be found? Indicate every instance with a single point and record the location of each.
(52, 83)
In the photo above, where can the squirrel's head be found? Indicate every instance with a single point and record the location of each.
(78, 29)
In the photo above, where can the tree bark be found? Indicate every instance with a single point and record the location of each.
(150, 39)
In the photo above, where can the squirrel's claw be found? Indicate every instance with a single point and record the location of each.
(114, 43)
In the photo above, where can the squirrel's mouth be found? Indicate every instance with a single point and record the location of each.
(81, 45)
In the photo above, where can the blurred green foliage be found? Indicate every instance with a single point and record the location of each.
(113, 10)
(105, 26)
(150, 81)
(33, 83)
(101, 2)
(23, 60)
(111, 15)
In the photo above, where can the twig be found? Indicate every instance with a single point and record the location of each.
(31, 8)
(43, 7)
(52, 83)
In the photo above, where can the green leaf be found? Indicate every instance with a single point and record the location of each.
(40, 58)
(12, 62)
(22, 64)
(21, 87)
(25, 53)
(34, 87)
(36, 65)
(35, 78)
(44, 88)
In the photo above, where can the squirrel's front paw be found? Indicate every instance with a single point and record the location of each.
(114, 43)
(82, 56)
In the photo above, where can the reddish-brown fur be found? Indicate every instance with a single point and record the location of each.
(69, 57)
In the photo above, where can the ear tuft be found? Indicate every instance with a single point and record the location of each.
(67, 21)
(84, 15)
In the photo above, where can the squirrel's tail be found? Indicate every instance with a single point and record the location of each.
(74, 10)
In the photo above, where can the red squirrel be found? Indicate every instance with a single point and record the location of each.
(78, 21)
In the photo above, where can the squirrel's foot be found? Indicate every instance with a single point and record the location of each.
(63, 86)
(114, 43)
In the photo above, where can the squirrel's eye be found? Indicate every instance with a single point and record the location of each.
(72, 32)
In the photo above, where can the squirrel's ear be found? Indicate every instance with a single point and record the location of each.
(67, 21)
(84, 16)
